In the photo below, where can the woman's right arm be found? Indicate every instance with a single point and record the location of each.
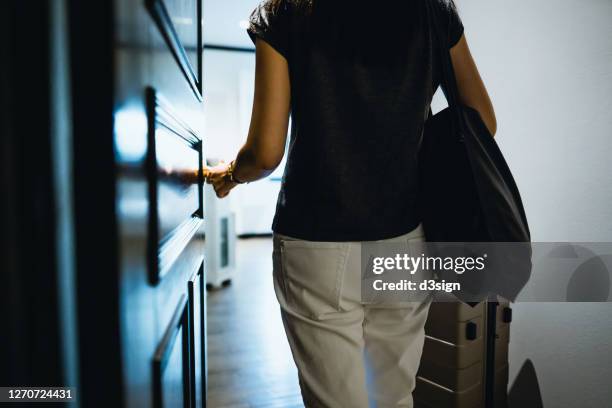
(472, 90)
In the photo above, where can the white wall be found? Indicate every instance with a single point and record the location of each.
(228, 86)
(548, 67)
(223, 125)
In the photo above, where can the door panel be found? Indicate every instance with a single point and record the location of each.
(178, 25)
(171, 364)
(197, 309)
(160, 154)
(139, 223)
(174, 163)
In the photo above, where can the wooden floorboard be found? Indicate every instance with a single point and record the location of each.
(249, 360)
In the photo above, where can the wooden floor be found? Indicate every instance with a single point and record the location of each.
(249, 360)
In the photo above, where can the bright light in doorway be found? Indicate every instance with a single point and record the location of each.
(244, 24)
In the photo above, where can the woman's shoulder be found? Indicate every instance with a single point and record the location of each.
(448, 15)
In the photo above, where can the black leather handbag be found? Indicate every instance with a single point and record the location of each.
(468, 193)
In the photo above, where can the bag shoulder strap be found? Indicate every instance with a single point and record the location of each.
(440, 42)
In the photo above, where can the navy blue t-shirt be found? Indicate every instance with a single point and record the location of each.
(356, 129)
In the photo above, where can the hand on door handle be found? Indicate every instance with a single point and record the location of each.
(221, 179)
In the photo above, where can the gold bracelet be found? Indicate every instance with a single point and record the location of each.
(230, 172)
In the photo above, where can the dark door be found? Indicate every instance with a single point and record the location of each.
(136, 69)
(34, 347)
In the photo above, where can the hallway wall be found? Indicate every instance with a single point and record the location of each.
(229, 81)
(548, 67)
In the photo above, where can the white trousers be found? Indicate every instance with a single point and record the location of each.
(348, 354)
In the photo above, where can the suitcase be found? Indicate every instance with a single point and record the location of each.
(465, 356)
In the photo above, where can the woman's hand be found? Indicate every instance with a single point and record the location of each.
(219, 177)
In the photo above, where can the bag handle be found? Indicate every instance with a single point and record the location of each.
(448, 80)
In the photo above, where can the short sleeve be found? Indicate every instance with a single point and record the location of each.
(455, 27)
(270, 22)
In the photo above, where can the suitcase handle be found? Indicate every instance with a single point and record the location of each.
(507, 315)
(471, 331)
